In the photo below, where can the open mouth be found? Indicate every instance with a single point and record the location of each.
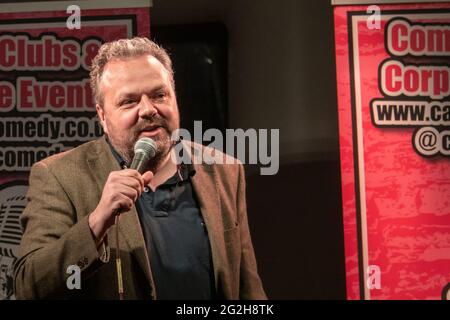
(151, 131)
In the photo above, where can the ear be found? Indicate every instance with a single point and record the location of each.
(101, 116)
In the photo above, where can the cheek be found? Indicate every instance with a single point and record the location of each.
(125, 119)
(171, 114)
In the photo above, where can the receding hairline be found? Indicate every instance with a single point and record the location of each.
(128, 58)
(123, 49)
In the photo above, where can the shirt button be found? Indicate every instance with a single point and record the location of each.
(146, 189)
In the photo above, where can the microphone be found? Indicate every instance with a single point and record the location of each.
(144, 150)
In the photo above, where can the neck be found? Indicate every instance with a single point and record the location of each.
(163, 170)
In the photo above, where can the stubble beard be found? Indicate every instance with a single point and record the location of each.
(125, 145)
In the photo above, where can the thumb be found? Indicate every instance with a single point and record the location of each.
(147, 176)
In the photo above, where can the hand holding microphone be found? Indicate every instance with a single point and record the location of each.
(122, 189)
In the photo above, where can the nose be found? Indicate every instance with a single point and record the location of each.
(146, 107)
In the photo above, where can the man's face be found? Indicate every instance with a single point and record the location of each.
(138, 101)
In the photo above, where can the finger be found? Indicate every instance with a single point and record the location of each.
(147, 177)
(131, 193)
(125, 204)
(134, 174)
(135, 183)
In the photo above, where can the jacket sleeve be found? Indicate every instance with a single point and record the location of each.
(250, 282)
(53, 240)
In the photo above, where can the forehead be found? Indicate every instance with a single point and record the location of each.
(138, 73)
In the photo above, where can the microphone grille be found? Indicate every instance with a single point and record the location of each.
(147, 146)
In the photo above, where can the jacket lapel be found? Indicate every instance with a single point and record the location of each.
(208, 198)
(102, 162)
(207, 191)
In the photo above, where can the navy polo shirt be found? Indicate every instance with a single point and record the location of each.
(176, 238)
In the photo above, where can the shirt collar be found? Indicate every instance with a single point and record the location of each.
(123, 164)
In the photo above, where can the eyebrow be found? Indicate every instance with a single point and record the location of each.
(127, 94)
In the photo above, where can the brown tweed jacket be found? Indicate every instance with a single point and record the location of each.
(66, 188)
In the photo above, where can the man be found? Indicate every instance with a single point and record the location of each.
(183, 230)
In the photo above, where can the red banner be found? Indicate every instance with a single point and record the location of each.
(393, 77)
(46, 105)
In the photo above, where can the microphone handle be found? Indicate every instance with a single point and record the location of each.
(140, 162)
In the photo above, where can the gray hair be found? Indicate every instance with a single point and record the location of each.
(122, 49)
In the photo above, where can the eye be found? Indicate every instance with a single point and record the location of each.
(160, 96)
(127, 101)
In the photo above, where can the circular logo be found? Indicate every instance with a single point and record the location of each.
(12, 203)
